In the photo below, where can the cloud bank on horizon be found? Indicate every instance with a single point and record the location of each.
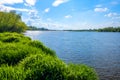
(66, 14)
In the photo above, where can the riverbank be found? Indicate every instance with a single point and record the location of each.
(24, 59)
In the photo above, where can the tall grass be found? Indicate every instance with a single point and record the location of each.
(40, 46)
(13, 37)
(81, 72)
(45, 67)
(11, 73)
(12, 53)
(42, 67)
(24, 59)
(15, 47)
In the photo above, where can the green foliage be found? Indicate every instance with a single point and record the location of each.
(42, 67)
(32, 28)
(11, 22)
(50, 68)
(12, 53)
(11, 73)
(13, 37)
(39, 45)
(15, 47)
(35, 28)
(81, 72)
(31, 60)
(109, 29)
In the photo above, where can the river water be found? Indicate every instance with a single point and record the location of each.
(100, 50)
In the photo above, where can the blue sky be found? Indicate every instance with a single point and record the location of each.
(66, 14)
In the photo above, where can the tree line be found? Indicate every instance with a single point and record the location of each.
(35, 28)
(109, 29)
(106, 29)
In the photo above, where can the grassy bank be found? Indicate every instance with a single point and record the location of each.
(24, 59)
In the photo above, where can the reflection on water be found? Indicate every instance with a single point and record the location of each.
(100, 50)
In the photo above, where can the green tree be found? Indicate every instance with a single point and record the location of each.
(109, 29)
(11, 22)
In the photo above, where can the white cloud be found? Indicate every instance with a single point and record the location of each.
(8, 8)
(58, 2)
(47, 10)
(30, 2)
(100, 9)
(68, 16)
(10, 1)
(35, 20)
(34, 15)
(113, 15)
(45, 24)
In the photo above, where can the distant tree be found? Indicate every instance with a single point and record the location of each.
(11, 22)
(35, 28)
(32, 28)
(109, 29)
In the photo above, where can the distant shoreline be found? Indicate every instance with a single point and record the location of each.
(73, 30)
(106, 29)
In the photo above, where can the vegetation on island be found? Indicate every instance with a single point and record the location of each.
(24, 59)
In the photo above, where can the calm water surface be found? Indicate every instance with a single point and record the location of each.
(100, 50)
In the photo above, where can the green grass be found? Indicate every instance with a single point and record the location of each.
(24, 59)
(40, 46)
(42, 67)
(13, 37)
(11, 73)
(12, 53)
(81, 72)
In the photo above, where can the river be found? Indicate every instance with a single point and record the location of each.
(100, 50)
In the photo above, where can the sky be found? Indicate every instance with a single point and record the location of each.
(66, 14)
